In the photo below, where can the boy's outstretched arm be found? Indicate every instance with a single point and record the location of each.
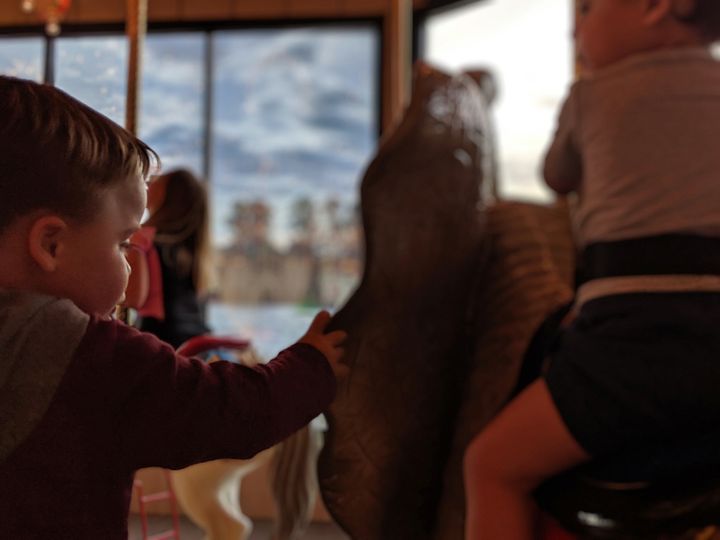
(329, 344)
(172, 411)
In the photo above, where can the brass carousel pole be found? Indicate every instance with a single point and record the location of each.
(397, 61)
(136, 27)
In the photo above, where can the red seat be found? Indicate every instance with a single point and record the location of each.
(200, 344)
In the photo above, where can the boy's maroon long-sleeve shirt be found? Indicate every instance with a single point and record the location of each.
(127, 401)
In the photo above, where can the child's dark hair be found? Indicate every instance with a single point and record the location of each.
(703, 14)
(58, 154)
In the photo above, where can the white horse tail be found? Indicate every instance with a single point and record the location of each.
(294, 482)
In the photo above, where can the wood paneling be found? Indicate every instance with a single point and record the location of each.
(206, 9)
(363, 8)
(92, 11)
(163, 10)
(263, 9)
(12, 15)
(101, 11)
(314, 8)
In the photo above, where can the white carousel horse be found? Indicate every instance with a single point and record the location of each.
(209, 493)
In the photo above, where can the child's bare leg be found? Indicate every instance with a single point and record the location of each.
(525, 444)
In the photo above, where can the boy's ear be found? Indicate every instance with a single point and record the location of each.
(45, 241)
(657, 10)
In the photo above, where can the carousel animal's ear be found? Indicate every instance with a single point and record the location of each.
(486, 81)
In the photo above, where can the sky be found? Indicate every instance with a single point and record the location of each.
(527, 44)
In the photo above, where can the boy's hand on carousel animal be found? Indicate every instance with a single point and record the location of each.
(328, 344)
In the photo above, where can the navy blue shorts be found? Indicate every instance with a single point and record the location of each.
(639, 370)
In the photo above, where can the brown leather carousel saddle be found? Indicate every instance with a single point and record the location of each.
(455, 286)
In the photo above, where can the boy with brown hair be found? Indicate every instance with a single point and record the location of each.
(86, 400)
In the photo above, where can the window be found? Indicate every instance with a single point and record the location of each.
(293, 127)
(94, 70)
(529, 49)
(22, 57)
(172, 97)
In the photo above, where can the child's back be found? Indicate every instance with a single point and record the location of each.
(645, 130)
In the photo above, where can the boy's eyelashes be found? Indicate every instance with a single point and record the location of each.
(126, 245)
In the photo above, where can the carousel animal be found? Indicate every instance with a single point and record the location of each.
(209, 493)
(421, 209)
(465, 285)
